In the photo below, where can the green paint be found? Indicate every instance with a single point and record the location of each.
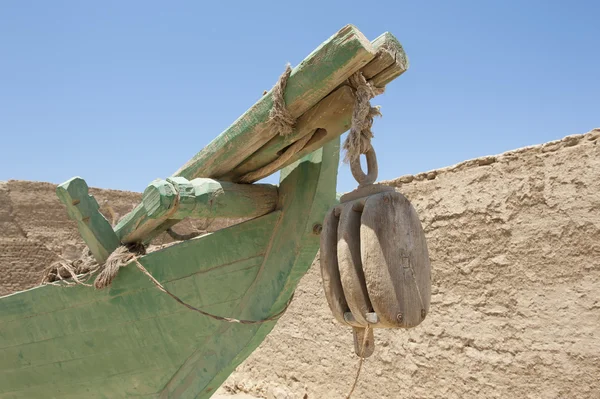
(159, 198)
(308, 190)
(327, 119)
(133, 340)
(209, 198)
(94, 335)
(313, 79)
(82, 207)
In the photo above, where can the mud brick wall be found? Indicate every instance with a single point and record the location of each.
(514, 242)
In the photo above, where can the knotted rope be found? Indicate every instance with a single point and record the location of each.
(281, 122)
(280, 119)
(79, 269)
(359, 139)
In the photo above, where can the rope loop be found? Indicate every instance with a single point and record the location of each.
(365, 179)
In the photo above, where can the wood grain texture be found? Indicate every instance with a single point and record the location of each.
(330, 273)
(391, 61)
(350, 264)
(132, 340)
(395, 260)
(307, 191)
(82, 207)
(131, 331)
(327, 118)
(212, 199)
(358, 336)
(314, 78)
(165, 202)
(333, 114)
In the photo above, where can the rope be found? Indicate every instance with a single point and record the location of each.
(360, 361)
(280, 119)
(120, 258)
(63, 269)
(220, 318)
(359, 139)
(86, 265)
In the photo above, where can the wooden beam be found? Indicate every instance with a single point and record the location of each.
(314, 78)
(93, 227)
(236, 148)
(391, 61)
(165, 202)
(332, 115)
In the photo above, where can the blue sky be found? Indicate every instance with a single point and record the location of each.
(122, 92)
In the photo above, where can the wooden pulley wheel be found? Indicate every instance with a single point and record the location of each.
(375, 263)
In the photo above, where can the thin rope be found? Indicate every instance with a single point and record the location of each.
(213, 316)
(77, 270)
(359, 139)
(120, 258)
(360, 361)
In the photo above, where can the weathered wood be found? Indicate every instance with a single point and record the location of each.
(358, 335)
(330, 273)
(132, 340)
(131, 330)
(314, 78)
(307, 191)
(391, 61)
(82, 207)
(212, 199)
(329, 118)
(350, 264)
(333, 115)
(395, 260)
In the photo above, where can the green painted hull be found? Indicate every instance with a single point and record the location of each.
(132, 340)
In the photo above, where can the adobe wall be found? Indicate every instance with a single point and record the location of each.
(514, 242)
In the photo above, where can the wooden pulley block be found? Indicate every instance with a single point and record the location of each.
(375, 263)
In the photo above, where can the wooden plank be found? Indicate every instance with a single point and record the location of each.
(314, 78)
(307, 191)
(332, 115)
(245, 241)
(82, 207)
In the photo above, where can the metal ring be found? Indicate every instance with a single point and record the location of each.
(360, 176)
